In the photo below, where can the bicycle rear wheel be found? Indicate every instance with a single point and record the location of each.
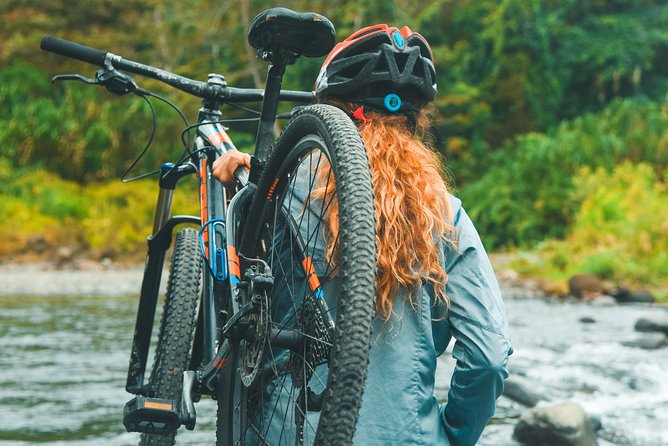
(300, 379)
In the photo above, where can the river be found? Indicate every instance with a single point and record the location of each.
(63, 362)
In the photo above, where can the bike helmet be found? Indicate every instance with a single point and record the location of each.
(385, 67)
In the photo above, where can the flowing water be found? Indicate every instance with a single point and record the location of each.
(63, 362)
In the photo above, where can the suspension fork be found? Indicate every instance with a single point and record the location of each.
(158, 244)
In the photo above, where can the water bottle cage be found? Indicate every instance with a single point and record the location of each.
(216, 260)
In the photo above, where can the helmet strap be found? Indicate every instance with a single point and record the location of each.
(388, 105)
(391, 103)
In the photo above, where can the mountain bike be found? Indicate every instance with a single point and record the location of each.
(269, 301)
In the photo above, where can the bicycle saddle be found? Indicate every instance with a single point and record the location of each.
(307, 33)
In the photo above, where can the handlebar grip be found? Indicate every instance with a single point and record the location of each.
(73, 50)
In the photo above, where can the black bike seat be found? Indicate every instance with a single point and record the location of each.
(306, 33)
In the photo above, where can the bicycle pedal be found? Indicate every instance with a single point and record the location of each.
(151, 415)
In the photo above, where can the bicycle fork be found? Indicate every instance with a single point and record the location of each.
(158, 244)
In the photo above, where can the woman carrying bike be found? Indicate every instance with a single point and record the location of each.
(434, 280)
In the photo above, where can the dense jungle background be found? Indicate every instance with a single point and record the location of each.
(552, 118)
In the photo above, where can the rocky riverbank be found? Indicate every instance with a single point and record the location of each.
(85, 278)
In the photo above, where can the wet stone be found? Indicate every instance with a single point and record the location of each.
(585, 286)
(653, 324)
(633, 296)
(563, 424)
(519, 390)
(649, 341)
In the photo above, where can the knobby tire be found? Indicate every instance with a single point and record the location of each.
(179, 318)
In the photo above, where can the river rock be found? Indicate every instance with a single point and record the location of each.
(563, 424)
(624, 295)
(586, 286)
(649, 341)
(519, 390)
(652, 324)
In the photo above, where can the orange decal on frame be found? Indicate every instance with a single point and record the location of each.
(218, 137)
(271, 189)
(233, 261)
(312, 277)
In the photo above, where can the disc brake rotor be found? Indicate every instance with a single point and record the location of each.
(251, 354)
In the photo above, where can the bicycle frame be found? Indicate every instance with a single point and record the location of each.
(211, 141)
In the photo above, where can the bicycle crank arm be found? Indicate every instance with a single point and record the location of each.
(188, 414)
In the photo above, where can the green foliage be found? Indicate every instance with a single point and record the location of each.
(526, 194)
(81, 134)
(504, 68)
(534, 63)
(530, 91)
(619, 232)
(42, 212)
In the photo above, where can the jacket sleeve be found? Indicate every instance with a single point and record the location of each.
(477, 320)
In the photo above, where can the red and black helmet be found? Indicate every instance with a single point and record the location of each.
(379, 60)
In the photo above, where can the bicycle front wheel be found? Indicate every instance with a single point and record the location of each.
(299, 379)
(177, 326)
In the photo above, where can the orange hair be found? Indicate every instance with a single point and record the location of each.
(412, 209)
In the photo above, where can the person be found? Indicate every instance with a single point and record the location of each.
(434, 279)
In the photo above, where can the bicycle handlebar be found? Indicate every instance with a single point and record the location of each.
(73, 50)
(203, 90)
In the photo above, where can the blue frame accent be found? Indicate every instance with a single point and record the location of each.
(219, 253)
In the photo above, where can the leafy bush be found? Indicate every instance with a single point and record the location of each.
(619, 232)
(526, 193)
(42, 212)
(81, 133)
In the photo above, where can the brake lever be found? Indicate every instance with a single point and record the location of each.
(115, 81)
(73, 77)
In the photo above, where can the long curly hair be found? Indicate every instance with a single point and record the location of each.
(413, 214)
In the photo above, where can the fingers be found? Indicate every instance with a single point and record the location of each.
(224, 167)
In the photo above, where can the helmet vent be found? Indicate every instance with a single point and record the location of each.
(401, 59)
(424, 50)
(353, 70)
(381, 64)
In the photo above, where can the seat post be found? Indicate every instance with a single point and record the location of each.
(265, 130)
